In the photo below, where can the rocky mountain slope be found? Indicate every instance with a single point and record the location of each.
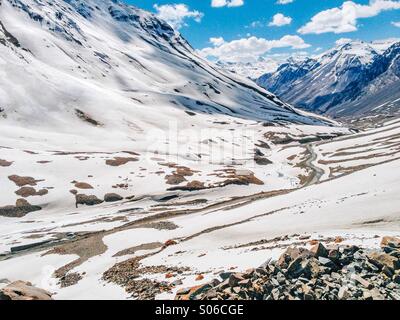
(70, 65)
(352, 79)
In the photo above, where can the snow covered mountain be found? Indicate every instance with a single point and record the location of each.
(353, 78)
(72, 65)
(252, 70)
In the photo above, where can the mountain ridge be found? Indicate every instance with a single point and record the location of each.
(78, 58)
(341, 82)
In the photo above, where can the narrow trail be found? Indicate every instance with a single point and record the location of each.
(317, 172)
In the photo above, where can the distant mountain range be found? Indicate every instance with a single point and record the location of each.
(352, 79)
(252, 70)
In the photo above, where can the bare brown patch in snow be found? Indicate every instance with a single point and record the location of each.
(179, 174)
(89, 200)
(23, 181)
(21, 208)
(31, 192)
(190, 186)
(119, 161)
(5, 163)
(84, 248)
(82, 185)
(160, 225)
(233, 176)
(174, 179)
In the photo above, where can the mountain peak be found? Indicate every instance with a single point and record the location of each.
(352, 77)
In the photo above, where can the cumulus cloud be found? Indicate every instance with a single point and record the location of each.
(396, 24)
(226, 3)
(177, 14)
(279, 20)
(284, 1)
(248, 49)
(344, 18)
(216, 42)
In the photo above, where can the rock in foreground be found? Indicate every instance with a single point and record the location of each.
(334, 273)
(20, 290)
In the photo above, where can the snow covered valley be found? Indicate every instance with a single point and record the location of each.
(131, 168)
(341, 187)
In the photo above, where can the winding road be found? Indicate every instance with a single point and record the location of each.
(317, 172)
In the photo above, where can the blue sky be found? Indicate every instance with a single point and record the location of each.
(318, 23)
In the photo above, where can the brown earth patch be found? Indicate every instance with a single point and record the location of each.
(43, 161)
(236, 177)
(84, 248)
(83, 185)
(160, 225)
(30, 192)
(90, 200)
(306, 178)
(21, 209)
(23, 181)
(119, 161)
(190, 186)
(179, 175)
(5, 163)
(174, 179)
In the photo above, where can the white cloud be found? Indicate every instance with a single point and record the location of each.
(249, 49)
(216, 42)
(344, 18)
(396, 24)
(226, 3)
(176, 14)
(341, 41)
(284, 1)
(279, 20)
